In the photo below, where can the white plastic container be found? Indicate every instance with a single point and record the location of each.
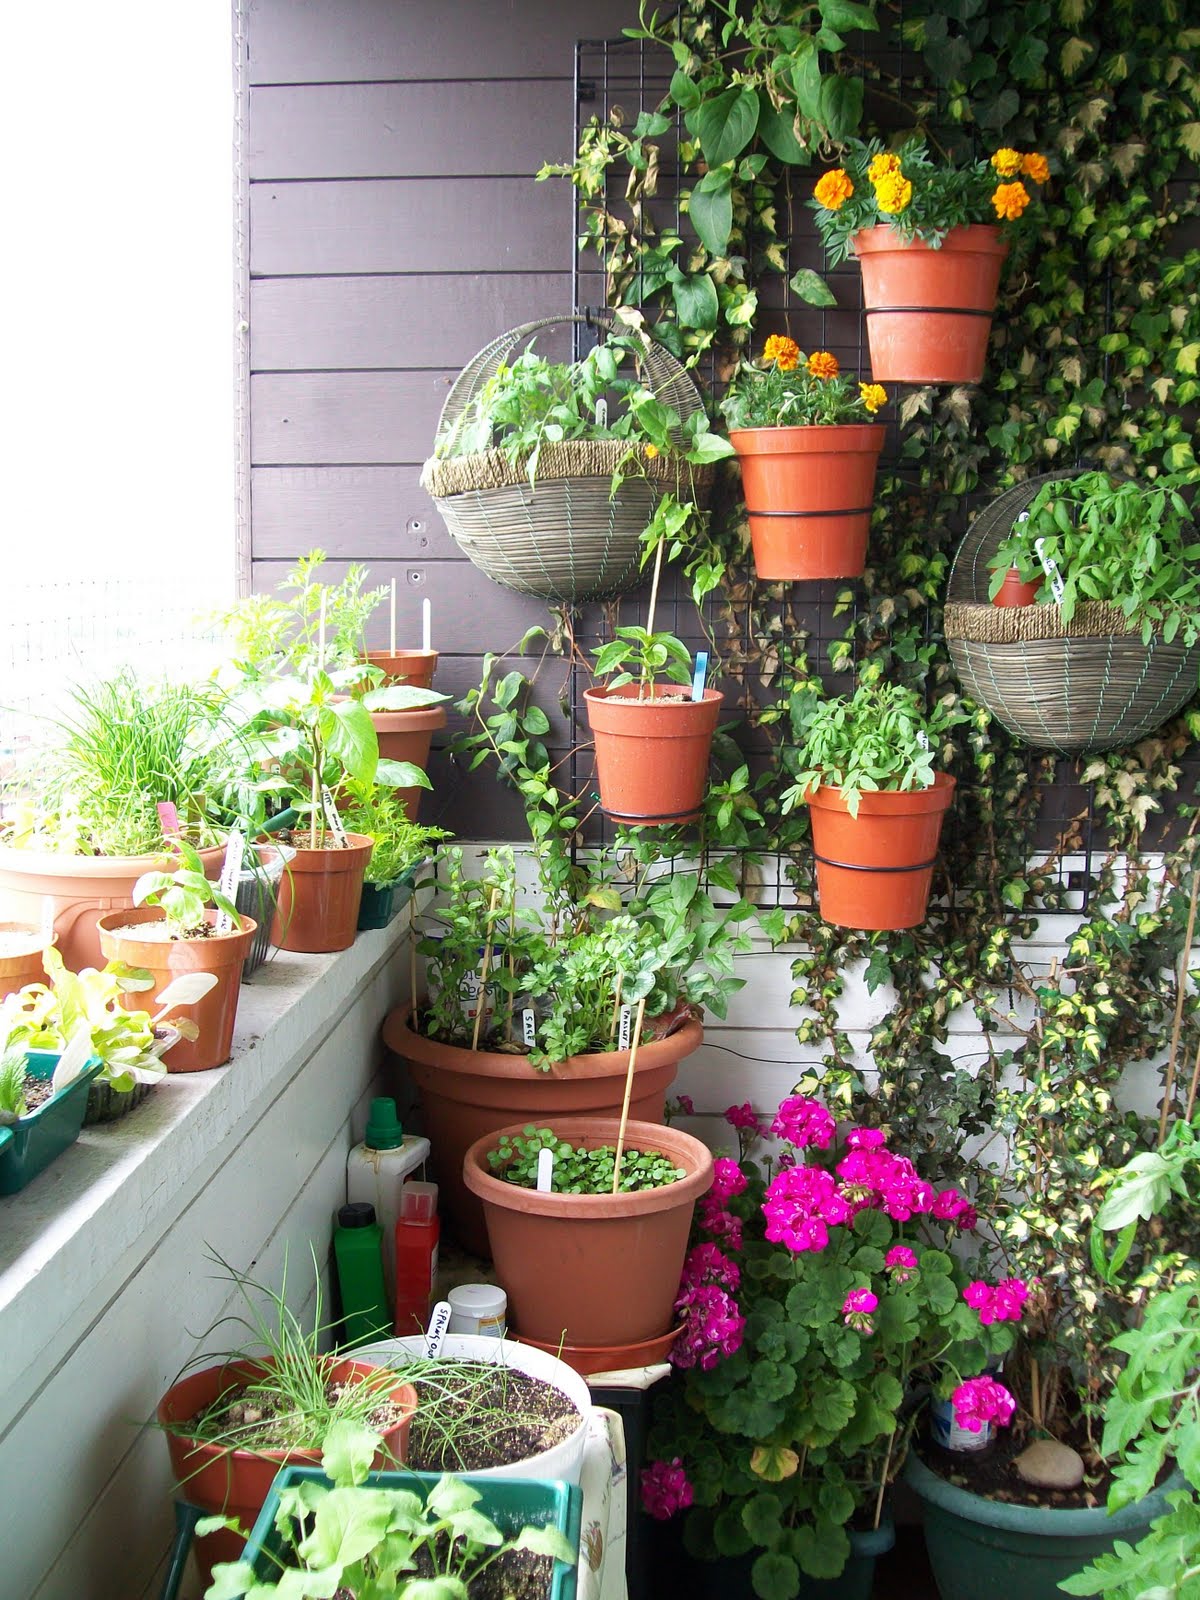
(563, 1460)
(376, 1170)
(480, 1308)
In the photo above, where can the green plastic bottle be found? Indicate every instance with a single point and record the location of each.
(358, 1251)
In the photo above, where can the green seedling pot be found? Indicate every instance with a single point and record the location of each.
(381, 902)
(30, 1144)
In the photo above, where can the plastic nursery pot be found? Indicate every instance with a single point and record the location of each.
(875, 870)
(319, 895)
(21, 946)
(809, 493)
(592, 1269)
(30, 1144)
(652, 751)
(81, 889)
(406, 736)
(563, 1460)
(236, 1482)
(413, 667)
(929, 312)
(466, 1094)
(106, 1104)
(1012, 592)
(256, 896)
(588, 1359)
(222, 954)
(984, 1549)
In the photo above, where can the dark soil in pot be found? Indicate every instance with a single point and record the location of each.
(36, 1091)
(474, 1415)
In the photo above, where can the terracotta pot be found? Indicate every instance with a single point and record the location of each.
(466, 1094)
(223, 954)
(592, 1269)
(236, 1482)
(81, 889)
(652, 753)
(1012, 592)
(319, 896)
(22, 965)
(875, 870)
(809, 493)
(929, 312)
(588, 1359)
(406, 736)
(414, 667)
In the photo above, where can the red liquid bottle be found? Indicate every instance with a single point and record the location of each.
(417, 1233)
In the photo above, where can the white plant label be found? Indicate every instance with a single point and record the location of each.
(438, 1323)
(602, 412)
(529, 1027)
(1050, 568)
(545, 1172)
(235, 850)
(625, 1028)
(333, 816)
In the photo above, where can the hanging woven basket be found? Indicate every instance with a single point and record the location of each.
(1083, 686)
(567, 537)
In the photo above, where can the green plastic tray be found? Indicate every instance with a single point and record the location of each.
(30, 1144)
(383, 901)
(509, 1502)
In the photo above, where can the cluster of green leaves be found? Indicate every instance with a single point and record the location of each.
(766, 395)
(13, 1070)
(634, 656)
(376, 810)
(184, 894)
(578, 1169)
(270, 637)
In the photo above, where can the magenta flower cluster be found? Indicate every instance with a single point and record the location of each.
(665, 1488)
(712, 1324)
(901, 1263)
(746, 1120)
(1001, 1302)
(979, 1401)
(857, 1308)
(801, 1205)
(804, 1123)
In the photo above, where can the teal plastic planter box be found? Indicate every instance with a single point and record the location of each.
(30, 1144)
(510, 1503)
(383, 901)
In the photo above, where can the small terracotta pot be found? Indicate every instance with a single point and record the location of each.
(592, 1269)
(414, 667)
(319, 896)
(24, 965)
(875, 870)
(809, 493)
(466, 1094)
(236, 1482)
(223, 954)
(652, 752)
(587, 1359)
(929, 312)
(406, 736)
(1012, 592)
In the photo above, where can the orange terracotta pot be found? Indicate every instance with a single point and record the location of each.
(406, 736)
(592, 1269)
(588, 1359)
(23, 964)
(809, 493)
(1012, 592)
(652, 754)
(467, 1094)
(929, 312)
(319, 896)
(223, 954)
(875, 870)
(414, 667)
(236, 1482)
(80, 889)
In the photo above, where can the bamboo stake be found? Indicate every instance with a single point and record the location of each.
(512, 962)
(412, 957)
(653, 606)
(483, 970)
(633, 1050)
(1191, 1099)
(317, 802)
(883, 1478)
(616, 1010)
(1181, 992)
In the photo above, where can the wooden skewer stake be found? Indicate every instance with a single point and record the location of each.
(392, 633)
(485, 964)
(633, 1050)
(1191, 1099)
(412, 956)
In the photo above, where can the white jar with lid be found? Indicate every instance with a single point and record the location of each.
(479, 1308)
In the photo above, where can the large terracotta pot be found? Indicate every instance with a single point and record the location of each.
(222, 954)
(875, 870)
(406, 736)
(592, 1269)
(319, 896)
(466, 1094)
(80, 889)
(22, 962)
(413, 667)
(652, 751)
(809, 493)
(929, 312)
(236, 1482)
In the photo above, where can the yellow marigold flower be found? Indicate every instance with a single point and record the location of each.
(1010, 199)
(1007, 162)
(873, 395)
(822, 364)
(882, 164)
(1035, 167)
(784, 352)
(651, 451)
(834, 189)
(892, 193)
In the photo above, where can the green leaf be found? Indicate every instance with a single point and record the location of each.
(776, 129)
(350, 738)
(696, 301)
(547, 1541)
(711, 211)
(775, 1577)
(683, 91)
(348, 1452)
(841, 105)
(812, 288)
(846, 16)
(725, 124)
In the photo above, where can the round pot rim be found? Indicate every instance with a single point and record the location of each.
(39, 939)
(311, 858)
(889, 802)
(114, 924)
(748, 441)
(404, 652)
(981, 237)
(679, 700)
(681, 1147)
(457, 1060)
(415, 720)
(54, 864)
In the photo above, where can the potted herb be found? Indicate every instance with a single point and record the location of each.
(808, 445)
(595, 1259)
(928, 236)
(399, 848)
(43, 1096)
(866, 768)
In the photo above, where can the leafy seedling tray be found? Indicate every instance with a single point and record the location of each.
(30, 1144)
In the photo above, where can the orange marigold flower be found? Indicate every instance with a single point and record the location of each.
(784, 352)
(872, 395)
(1035, 167)
(882, 164)
(651, 451)
(1010, 199)
(834, 189)
(1007, 162)
(823, 364)
(892, 193)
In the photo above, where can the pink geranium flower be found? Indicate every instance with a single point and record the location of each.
(979, 1401)
(804, 1122)
(665, 1488)
(857, 1308)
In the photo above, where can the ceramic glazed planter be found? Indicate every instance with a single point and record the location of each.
(21, 960)
(413, 667)
(809, 493)
(652, 751)
(319, 896)
(236, 1482)
(592, 1269)
(1012, 592)
(929, 312)
(30, 1144)
(222, 954)
(993, 1550)
(466, 1094)
(874, 871)
(407, 736)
